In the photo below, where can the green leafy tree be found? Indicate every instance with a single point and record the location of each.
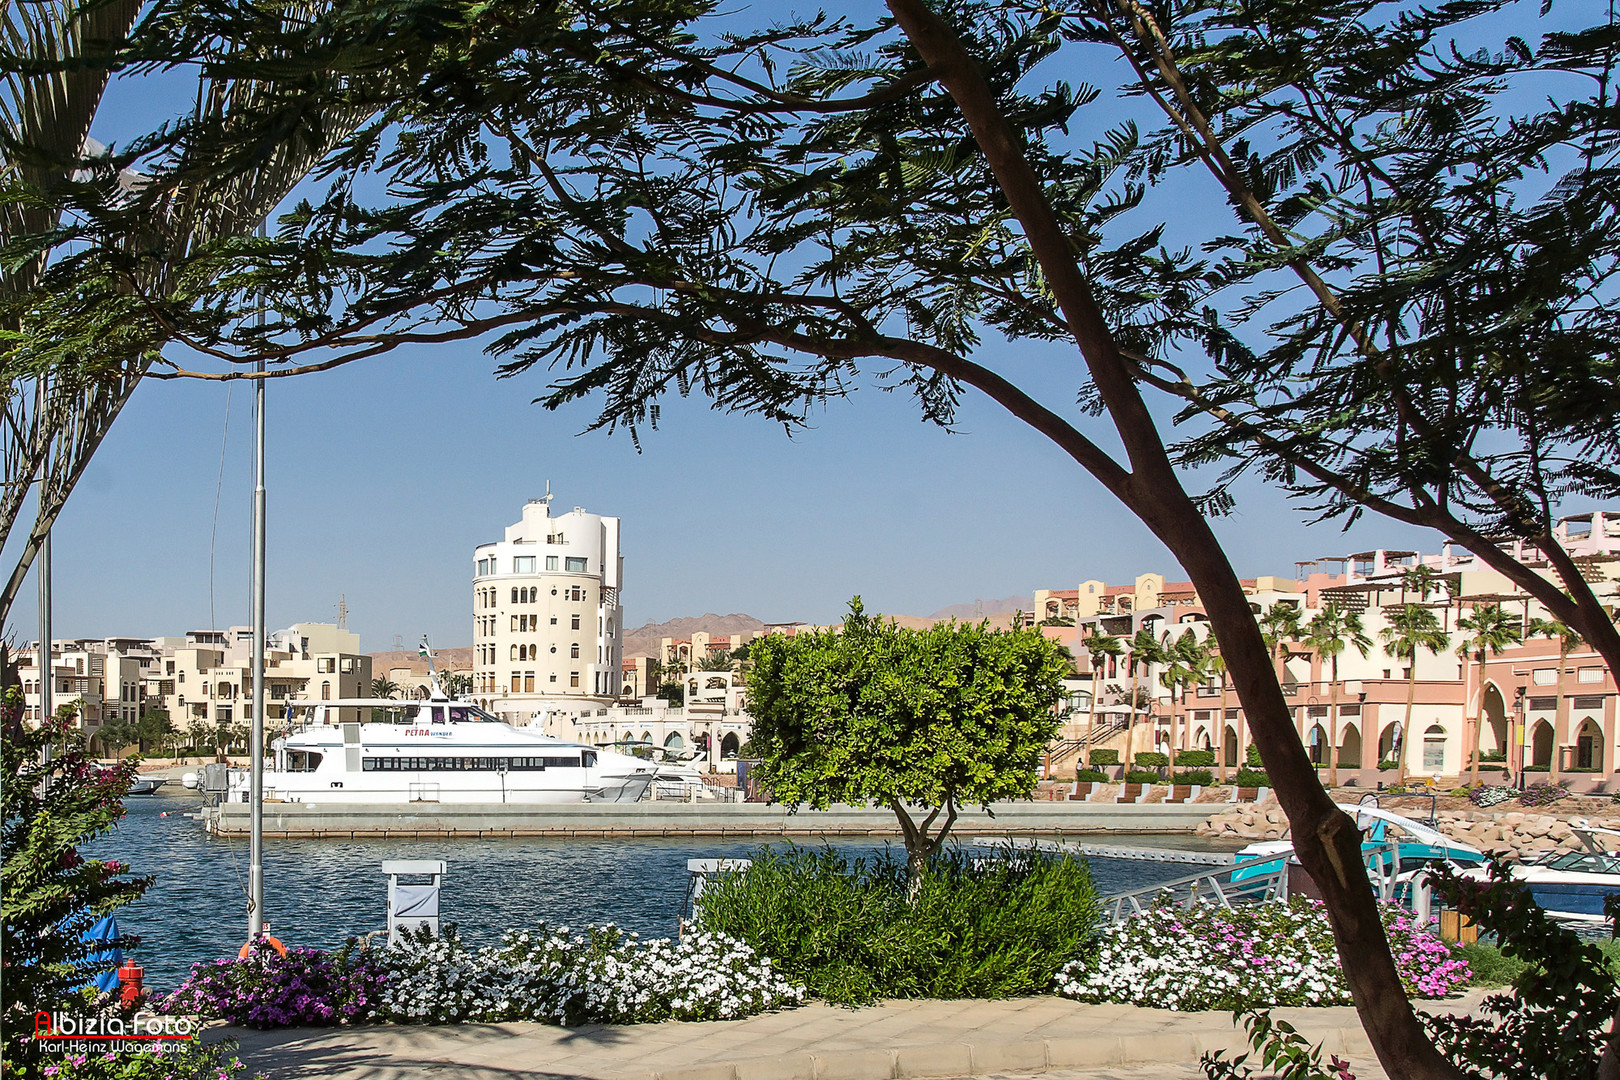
(1490, 629)
(673, 692)
(1411, 627)
(117, 734)
(154, 728)
(1568, 641)
(1330, 631)
(920, 721)
(49, 893)
(384, 688)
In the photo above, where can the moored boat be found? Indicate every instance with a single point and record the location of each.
(1418, 845)
(1572, 885)
(147, 785)
(443, 750)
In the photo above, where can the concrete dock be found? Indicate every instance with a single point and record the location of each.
(672, 819)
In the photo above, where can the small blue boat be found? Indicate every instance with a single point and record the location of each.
(1420, 845)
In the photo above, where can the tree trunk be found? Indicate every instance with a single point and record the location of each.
(1560, 722)
(1091, 717)
(1326, 840)
(1222, 730)
(1479, 709)
(1130, 717)
(1333, 727)
(1406, 728)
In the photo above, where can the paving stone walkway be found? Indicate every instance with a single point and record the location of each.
(896, 1040)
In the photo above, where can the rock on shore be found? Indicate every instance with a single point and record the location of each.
(1522, 833)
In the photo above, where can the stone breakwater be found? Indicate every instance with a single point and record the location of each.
(1521, 832)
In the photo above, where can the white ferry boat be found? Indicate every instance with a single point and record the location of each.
(441, 750)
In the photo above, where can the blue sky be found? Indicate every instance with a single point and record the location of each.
(385, 474)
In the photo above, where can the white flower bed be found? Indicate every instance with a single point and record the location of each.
(1276, 953)
(600, 976)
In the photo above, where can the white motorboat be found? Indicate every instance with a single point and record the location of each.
(1419, 845)
(1572, 885)
(441, 750)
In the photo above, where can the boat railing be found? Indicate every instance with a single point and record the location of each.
(1261, 879)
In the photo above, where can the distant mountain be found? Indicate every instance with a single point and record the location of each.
(645, 640)
(983, 609)
(447, 659)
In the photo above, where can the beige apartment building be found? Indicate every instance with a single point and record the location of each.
(547, 624)
(201, 678)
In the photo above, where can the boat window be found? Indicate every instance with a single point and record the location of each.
(460, 714)
(589, 758)
(1582, 862)
(302, 761)
(438, 714)
(467, 764)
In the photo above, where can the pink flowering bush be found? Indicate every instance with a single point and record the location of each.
(1255, 956)
(307, 987)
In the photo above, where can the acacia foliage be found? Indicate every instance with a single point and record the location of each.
(873, 713)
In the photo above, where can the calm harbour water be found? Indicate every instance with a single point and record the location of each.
(318, 892)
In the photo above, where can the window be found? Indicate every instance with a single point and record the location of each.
(553, 677)
(573, 678)
(1546, 676)
(554, 620)
(574, 566)
(326, 691)
(483, 567)
(514, 623)
(517, 682)
(347, 667)
(512, 654)
(523, 564)
(326, 665)
(576, 622)
(573, 650)
(180, 676)
(551, 562)
(528, 681)
(1590, 675)
(514, 596)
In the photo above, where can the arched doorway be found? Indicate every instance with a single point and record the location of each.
(1231, 746)
(1350, 747)
(1389, 742)
(673, 741)
(729, 746)
(1493, 734)
(1541, 745)
(1589, 746)
(1316, 743)
(1434, 749)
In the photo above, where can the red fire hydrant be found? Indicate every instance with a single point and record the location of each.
(130, 991)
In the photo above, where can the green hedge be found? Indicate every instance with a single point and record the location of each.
(1143, 776)
(1091, 776)
(1200, 777)
(1253, 757)
(1196, 759)
(1103, 757)
(1152, 759)
(977, 928)
(1386, 766)
(1251, 778)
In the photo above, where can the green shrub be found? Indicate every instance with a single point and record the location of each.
(1143, 776)
(978, 928)
(1252, 758)
(1488, 965)
(1200, 777)
(1196, 759)
(1092, 776)
(1152, 759)
(1388, 766)
(1103, 757)
(1252, 778)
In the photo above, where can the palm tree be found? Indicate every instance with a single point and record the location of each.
(384, 688)
(1101, 646)
(1330, 630)
(1145, 652)
(1411, 628)
(1567, 640)
(1187, 662)
(1278, 626)
(1491, 630)
(1420, 579)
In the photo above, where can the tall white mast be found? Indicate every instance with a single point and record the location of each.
(256, 737)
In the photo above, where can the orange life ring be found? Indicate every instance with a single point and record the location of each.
(275, 944)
